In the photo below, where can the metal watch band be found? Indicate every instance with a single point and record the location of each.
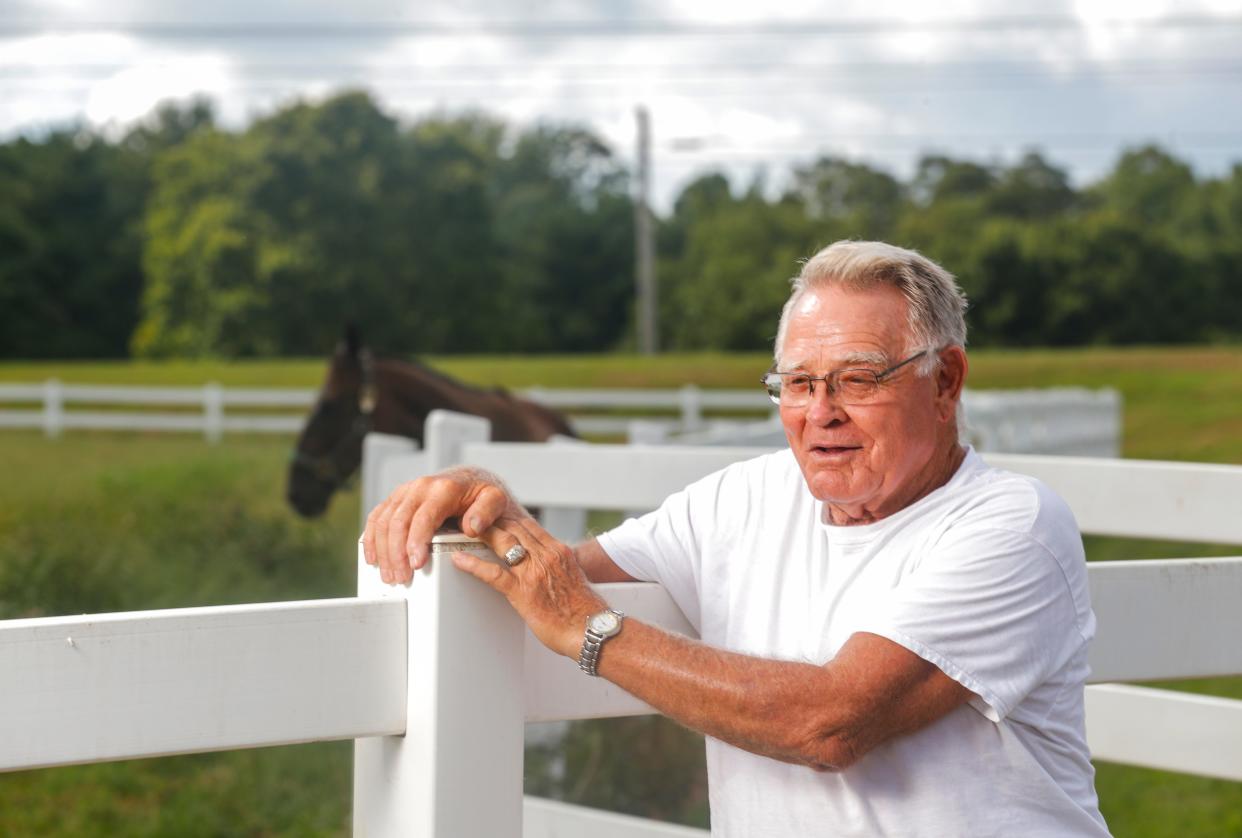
(593, 644)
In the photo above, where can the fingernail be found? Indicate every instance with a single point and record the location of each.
(474, 524)
(415, 558)
(386, 576)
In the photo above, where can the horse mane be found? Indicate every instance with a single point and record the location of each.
(444, 377)
(498, 404)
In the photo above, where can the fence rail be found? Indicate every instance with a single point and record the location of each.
(1060, 420)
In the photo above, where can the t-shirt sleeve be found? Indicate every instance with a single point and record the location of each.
(992, 608)
(667, 545)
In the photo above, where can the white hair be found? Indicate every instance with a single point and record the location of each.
(936, 304)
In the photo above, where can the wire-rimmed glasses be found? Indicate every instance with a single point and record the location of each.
(852, 386)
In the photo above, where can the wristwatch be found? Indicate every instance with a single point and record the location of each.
(599, 628)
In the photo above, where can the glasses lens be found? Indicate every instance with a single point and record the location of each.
(857, 386)
(772, 383)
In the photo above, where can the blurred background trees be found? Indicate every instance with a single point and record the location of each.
(464, 234)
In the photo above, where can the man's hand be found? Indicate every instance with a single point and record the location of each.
(400, 528)
(547, 588)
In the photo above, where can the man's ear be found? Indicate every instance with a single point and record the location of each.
(950, 379)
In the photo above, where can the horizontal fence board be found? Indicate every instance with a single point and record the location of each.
(117, 686)
(599, 476)
(557, 689)
(21, 419)
(259, 424)
(1172, 731)
(1166, 618)
(254, 397)
(1158, 619)
(1142, 498)
(130, 394)
(613, 426)
(22, 392)
(1136, 498)
(542, 818)
(604, 399)
(126, 421)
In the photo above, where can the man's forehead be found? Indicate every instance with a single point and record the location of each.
(839, 328)
(799, 355)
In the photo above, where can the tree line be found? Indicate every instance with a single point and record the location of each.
(460, 233)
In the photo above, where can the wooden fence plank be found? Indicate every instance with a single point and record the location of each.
(149, 683)
(1174, 618)
(1194, 734)
(1142, 498)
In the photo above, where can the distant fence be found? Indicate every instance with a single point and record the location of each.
(211, 418)
(1052, 421)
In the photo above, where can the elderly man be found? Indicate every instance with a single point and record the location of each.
(894, 635)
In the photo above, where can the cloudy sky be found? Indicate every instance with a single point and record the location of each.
(742, 86)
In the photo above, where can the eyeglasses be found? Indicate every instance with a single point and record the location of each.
(850, 386)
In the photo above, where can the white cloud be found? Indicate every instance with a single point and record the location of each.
(1079, 92)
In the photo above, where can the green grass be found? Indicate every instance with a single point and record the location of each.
(109, 521)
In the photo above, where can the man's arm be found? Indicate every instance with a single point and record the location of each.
(598, 565)
(822, 716)
(826, 717)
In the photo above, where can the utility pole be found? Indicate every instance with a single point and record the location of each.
(644, 242)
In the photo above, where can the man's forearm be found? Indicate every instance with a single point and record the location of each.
(781, 709)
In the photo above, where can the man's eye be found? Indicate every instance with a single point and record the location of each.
(797, 382)
(856, 378)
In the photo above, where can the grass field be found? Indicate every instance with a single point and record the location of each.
(105, 521)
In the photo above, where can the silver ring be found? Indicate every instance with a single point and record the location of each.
(515, 554)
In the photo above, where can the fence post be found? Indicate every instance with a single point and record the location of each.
(53, 408)
(376, 448)
(213, 411)
(445, 432)
(691, 408)
(566, 523)
(458, 768)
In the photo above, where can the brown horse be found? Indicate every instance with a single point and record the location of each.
(363, 394)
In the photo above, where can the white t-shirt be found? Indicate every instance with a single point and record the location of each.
(984, 577)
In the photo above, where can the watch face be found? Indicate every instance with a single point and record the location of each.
(605, 622)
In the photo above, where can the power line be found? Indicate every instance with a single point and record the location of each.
(484, 68)
(334, 30)
(515, 74)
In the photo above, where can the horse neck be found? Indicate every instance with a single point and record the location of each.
(408, 392)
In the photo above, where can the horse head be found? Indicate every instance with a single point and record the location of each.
(329, 449)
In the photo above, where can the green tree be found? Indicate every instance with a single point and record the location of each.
(70, 245)
(852, 199)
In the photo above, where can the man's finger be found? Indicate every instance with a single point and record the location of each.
(382, 557)
(368, 538)
(397, 522)
(495, 576)
(491, 503)
(425, 520)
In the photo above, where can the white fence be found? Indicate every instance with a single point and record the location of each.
(434, 681)
(211, 400)
(1058, 420)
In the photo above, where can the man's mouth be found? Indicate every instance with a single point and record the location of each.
(834, 450)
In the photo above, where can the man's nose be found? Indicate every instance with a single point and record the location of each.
(824, 407)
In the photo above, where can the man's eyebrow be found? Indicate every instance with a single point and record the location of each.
(855, 359)
(846, 361)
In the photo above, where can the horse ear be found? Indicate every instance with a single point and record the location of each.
(351, 339)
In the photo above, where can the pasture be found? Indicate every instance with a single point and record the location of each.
(101, 522)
